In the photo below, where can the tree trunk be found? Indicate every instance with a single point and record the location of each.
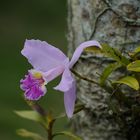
(117, 23)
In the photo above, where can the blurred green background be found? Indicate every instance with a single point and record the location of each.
(20, 20)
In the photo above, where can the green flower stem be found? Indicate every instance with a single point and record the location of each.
(50, 130)
(35, 106)
(46, 124)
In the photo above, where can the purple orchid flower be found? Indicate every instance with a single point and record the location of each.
(48, 63)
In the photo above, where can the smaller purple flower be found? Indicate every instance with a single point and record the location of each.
(33, 85)
(48, 63)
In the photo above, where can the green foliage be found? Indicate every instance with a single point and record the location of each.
(107, 71)
(123, 103)
(46, 121)
(121, 62)
(29, 114)
(93, 49)
(135, 52)
(128, 66)
(69, 134)
(28, 134)
(114, 54)
(130, 81)
(77, 109)
(109, 52)
(134, 66)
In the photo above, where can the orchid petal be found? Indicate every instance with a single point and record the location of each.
(80, 49)
(53, 73)
(42, 55)
(69, 99)
(68, 86)
(65, 82)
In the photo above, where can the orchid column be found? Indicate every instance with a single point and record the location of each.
(108, 21)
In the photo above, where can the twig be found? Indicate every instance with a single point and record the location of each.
(83, 78)
(50, 127)
(115, 90)
(130, 43)
(124, 18)
(96, 21)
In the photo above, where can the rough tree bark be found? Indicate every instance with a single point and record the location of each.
(117, 23)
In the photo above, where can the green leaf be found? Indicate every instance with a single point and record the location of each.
(135, 55)
(137, 50)
(31, 115)
(114, 54)
(130, 81)
(28, 134)
(134, 66)
(77, 109)
(69, 134)
(93, 49)
(109, 52)
(107, 71)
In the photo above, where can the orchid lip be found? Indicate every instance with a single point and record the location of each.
(38, 75)
(33, 85)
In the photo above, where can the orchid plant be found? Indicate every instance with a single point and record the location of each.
(50, 62)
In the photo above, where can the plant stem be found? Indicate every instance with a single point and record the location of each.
(83, 77)
(50, 132)
(108, 89)
(36, 107)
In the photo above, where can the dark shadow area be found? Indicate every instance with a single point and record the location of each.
(20, 20)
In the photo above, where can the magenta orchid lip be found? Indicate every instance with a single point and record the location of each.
(48, 63)
(33, 85)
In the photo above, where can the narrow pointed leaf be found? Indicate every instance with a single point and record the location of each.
(93, 49)
(69, 134)
(114, 54)
(28, 134)
(135, 55)
(130, 81)
(109, 52)
(137, 50)
(62, 115)
(77, 109)
(107, 71)
(31, 115)
(134, 66)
